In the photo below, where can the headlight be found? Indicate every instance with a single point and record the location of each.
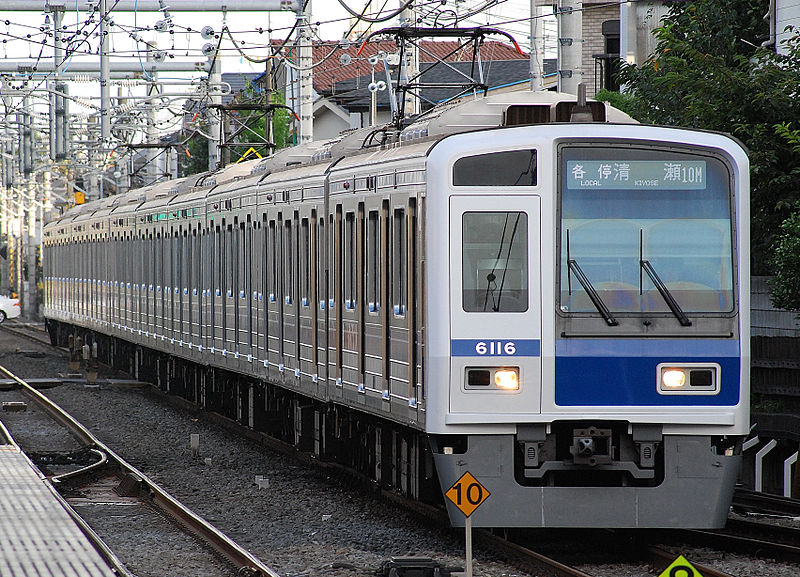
(688, 379)
(673, 378)
(507, 379)
(492, 378)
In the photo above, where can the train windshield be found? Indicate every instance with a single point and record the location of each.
(644, 231)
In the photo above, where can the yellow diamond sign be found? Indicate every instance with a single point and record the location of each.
(467, 494)
(680, 568)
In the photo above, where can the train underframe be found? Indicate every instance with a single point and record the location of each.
(677, 481)
(391, 455)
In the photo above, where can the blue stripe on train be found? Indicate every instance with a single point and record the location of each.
(622, 372)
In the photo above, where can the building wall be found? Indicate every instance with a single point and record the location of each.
(327, 124)
(594, 14)
(787, 13)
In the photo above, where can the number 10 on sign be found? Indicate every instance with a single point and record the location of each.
(467, 494)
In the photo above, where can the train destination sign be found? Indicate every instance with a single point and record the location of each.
(467, 494)
(636, 174)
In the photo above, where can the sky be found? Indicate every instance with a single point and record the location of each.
(23, 34)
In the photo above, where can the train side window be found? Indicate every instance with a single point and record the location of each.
(373, 261)
(399, 256)
(350, 265)
(321, 261)
(511, 168)
(495, 262)
(289, 263)
(159, 263)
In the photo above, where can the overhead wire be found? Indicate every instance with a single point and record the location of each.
(79, 41)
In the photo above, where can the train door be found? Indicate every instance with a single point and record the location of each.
(171, 282)
(216, 303)
(320, 260)
(263, 270)
(205, 285)
(275, 283)
(289, 302)
(195, 288)
(229, 276)
(351, 300)
(184, 296)
(305, 309)
(335, 303)
(247, 297)
(495, 304)
(400, 225)
(373, 312)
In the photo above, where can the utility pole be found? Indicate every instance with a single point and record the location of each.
(26, 255)
(214, 114)
(268, 128)
(305, 75)
(151, 154)
(537, 47)
(105, 94)
(570, 42)
(410, 68)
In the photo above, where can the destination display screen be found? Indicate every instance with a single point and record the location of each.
(636, 174)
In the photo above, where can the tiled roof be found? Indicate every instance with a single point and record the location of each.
(332, 70)
(354, 95)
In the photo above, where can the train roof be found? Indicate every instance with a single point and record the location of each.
(317, 157)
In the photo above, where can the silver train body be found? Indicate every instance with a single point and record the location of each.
(560, 308)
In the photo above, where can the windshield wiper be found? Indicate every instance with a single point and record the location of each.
(665, 294)
(590, 290)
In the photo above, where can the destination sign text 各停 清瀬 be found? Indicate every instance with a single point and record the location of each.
(636, 174)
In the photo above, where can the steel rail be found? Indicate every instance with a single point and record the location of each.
(531, 560)
(101, 462)
(758, 502)
(661, 558)
(235, 554)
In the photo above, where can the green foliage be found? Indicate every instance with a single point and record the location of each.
(280, 122)
(196, 161)
(708, 71)
(785, 291)
(621, 101)
(255, 123)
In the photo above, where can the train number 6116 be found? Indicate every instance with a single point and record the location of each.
(495, 348)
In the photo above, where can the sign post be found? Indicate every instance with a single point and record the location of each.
(467, 494)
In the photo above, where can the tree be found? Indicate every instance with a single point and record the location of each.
(195, 159)
(785, 292)
(709, 71)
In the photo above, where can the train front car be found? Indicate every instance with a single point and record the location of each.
(589, 365)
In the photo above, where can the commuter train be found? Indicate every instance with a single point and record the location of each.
(558, 308)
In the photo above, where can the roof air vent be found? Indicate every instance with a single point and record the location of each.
(522, 114)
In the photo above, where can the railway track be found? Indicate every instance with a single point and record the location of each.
(111, 477)
(750, 501)
(525, 558)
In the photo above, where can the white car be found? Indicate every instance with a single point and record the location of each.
(9, 308)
